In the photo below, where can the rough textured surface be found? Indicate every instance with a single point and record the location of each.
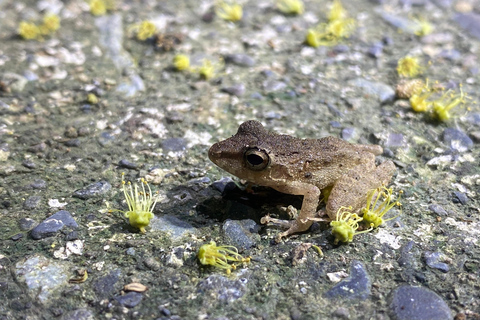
(417, 303)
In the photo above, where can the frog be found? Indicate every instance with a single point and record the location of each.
(339, 171)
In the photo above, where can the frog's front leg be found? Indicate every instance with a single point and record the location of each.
(311, 196)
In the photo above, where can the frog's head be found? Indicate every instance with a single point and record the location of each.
(242, 155)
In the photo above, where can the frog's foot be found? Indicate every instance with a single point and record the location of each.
(294, 226)
(276, 222)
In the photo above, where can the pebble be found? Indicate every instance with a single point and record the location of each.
(380, 90)
(42, 275)
(29, 164)
(106, 286)
(243, 234)
(32, 202)
(130, 299)
(93, 190)
(433, 261)
(474, 118)
(79, 314)
(105, 138)
(375, 50)
(418, 303)
(73, 143)
(174, 144)
(435, 208)
(460, 197)
(242, 60)
(395, 140)
(26, 224)
(225, 183)
(73, 235)
(17, 236)
(273, 86)
(349, 134)
(50, 226)
(127, 164)
(175, 227)
(470, 22)
(457, 140)
(235, 90)
(357, 286)
(39, 184)
(222, 288)
(16, 82)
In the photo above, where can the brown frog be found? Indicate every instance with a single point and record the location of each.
(303, 167)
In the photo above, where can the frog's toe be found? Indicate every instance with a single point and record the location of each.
(277, 222)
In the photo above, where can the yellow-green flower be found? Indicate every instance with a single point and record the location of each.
(290, 6)
(345, 225)
(374, 211)
(51, 23)
(229, 11)
(140, 204)
(98, 7)
(28, 30)
(146, 30)
(409, 66)
(223, 257)
(181, 62)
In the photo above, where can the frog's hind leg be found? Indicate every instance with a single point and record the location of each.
(352, 188)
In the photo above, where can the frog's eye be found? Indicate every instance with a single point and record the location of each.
(256, 159)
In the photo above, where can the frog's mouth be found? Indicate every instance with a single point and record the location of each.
(228, 160)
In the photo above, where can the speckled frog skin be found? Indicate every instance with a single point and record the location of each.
(303, 167)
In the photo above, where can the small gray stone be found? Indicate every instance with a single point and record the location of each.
(39, 184)
(42, 276)
(223, 289)
(105, 286)
(175, 227)
(235, 90)
(174, 144)
(14, 81)
(435, 208)
(474, 118)
(130, 299)
(375, 50)
(457, 140)
(469, 22)
(381, 90)
(433, 261)
(79, 314)
(240, 59)
(418, 303)
(17, 236)
(26, 224)
(273, 86)
(225, 183)
(460, 197)
(50, 226)
(395, 140)
(29, 164)
(243, 234)
(357, 286)
(93, 190)
(127, 164)
(32, 202)
(348, 133)
(73, 143)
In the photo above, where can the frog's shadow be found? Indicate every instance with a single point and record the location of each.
(236, 204)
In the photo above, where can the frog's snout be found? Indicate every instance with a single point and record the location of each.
(214, 153)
